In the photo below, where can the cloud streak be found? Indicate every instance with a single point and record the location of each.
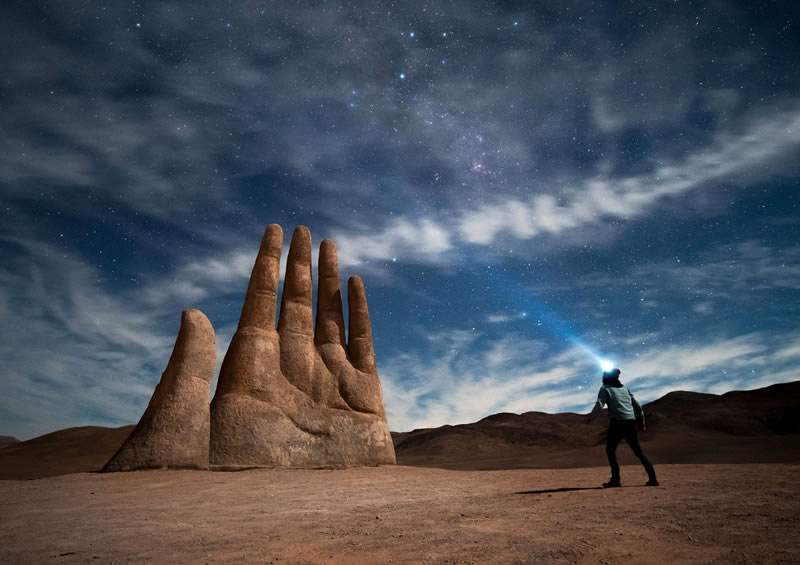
(465, 379)
(764, 140)
(74, 354)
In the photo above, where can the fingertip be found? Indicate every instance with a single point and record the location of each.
(298, 263)
(273, 237)
(355, 283)
(301, 238)
(299, 249)
(194, 317)
(327, 249)
(328, 260)
(356, 297)
(261, 299)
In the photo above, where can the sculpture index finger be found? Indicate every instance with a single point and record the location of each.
(261, 300)
(359, 342)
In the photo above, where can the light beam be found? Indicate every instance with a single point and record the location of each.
(521, 298)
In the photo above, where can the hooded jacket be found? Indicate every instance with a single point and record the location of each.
(620, 401)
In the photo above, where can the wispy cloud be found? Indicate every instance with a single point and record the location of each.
(718, 279)
(74, 353)
(732, 155)
(750, 265)
(467, 377)
(471, 377)
(503, 318)
(422, 240)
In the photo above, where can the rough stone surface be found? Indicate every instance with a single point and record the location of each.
(299, 396)
(174, 430)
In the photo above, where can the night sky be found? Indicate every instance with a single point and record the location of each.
(525, 188)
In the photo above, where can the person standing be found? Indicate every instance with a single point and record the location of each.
(623, 413)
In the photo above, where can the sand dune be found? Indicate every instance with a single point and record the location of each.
(6, 441)
(73, 450)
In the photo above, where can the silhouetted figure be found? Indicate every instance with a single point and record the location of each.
(623, 413)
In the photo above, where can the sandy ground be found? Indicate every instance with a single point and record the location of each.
(700, 514)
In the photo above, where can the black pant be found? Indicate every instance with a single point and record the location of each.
(625, 429)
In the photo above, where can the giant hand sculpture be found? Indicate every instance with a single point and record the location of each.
(287, 398)
(299, 396)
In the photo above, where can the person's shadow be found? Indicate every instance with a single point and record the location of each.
(562, 489)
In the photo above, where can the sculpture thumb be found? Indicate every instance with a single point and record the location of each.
(174, 429)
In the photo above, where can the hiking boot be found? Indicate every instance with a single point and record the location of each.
(651, 483)
(613, 483)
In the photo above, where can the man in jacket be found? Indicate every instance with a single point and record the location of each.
(623, 412)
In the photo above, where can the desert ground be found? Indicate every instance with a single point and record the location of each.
(701, 514)
(507, 489)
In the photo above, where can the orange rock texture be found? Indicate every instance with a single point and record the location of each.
(174, 430)
(299, 395)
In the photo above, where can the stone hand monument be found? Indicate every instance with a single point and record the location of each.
(298, 396)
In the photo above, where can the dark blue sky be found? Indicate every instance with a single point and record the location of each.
(524, 187)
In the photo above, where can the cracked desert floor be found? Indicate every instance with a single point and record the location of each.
(700, 514)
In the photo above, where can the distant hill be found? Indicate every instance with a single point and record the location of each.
(73, 450)
(757, 426)
(5, 441)
(761, 425)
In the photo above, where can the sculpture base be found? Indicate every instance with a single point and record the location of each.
(246, 432)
